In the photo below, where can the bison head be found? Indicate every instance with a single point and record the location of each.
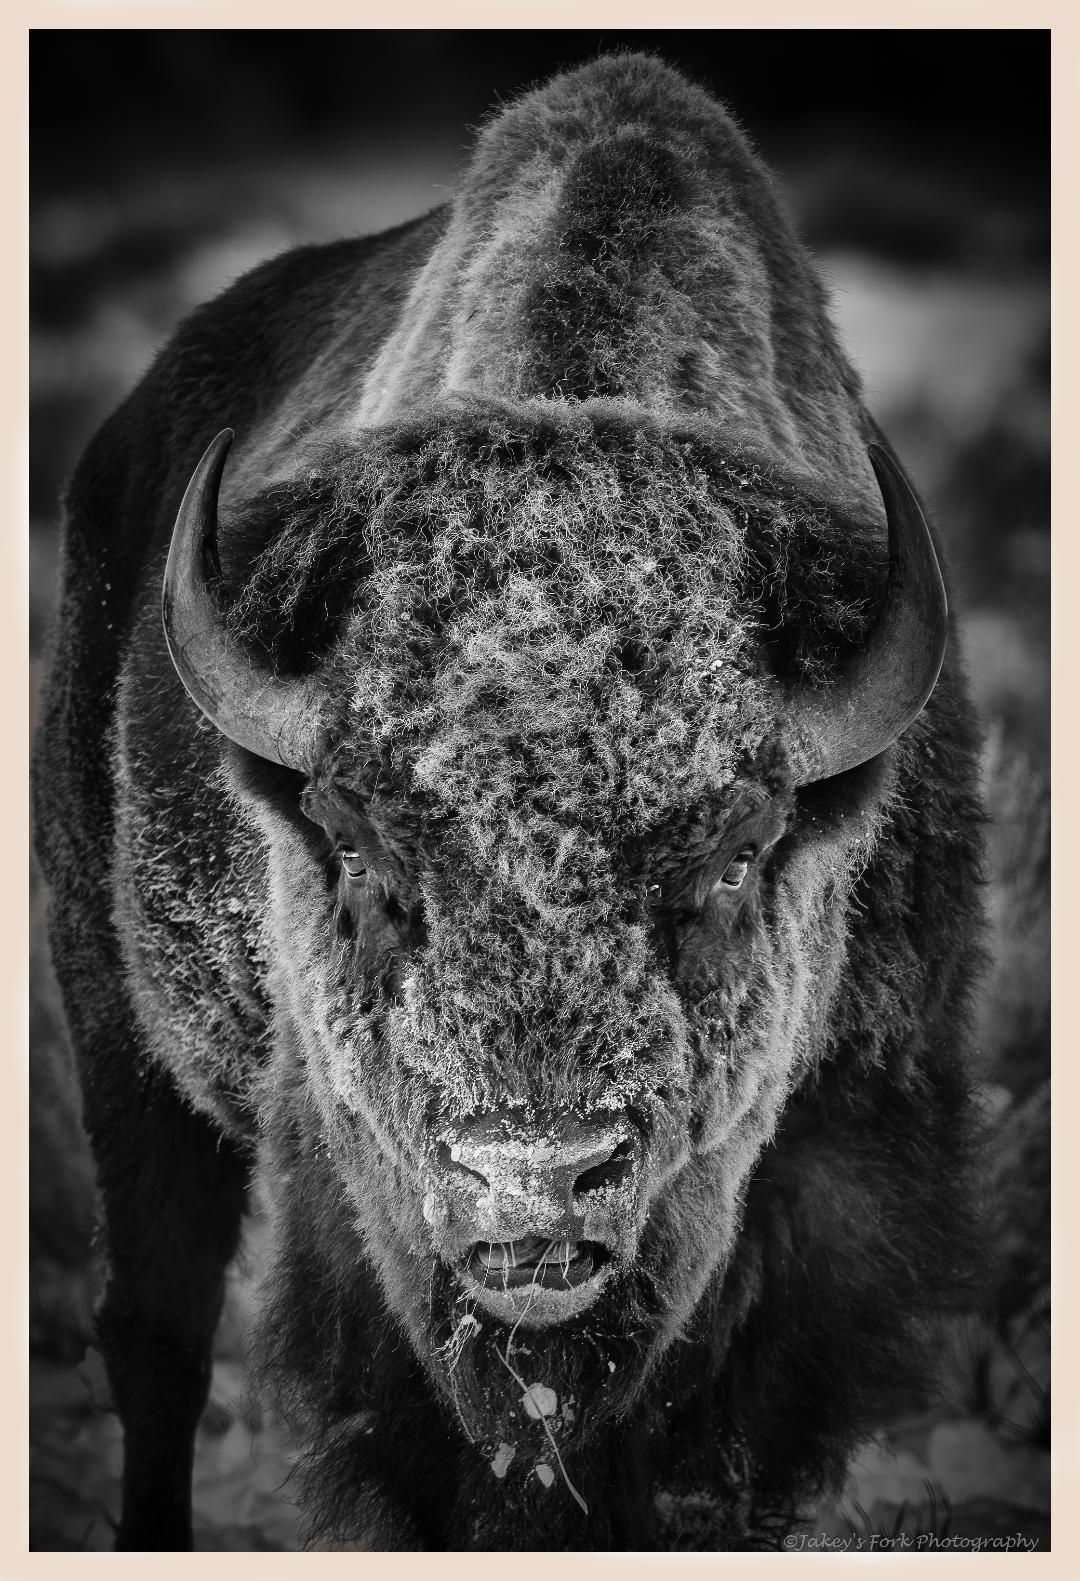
(580, 723)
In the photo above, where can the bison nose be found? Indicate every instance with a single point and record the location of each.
(496, 1182)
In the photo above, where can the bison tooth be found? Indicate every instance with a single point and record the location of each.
(527, 1253)
(560, 1252)
(498, 1255)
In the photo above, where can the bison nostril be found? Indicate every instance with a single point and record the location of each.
(450, 1164)
(610, 1173)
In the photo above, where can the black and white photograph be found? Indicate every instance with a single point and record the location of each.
(539, 1000)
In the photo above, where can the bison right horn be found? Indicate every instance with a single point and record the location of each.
(885, 686)
(273, 716)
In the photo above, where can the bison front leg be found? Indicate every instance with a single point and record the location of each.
(173, 1194)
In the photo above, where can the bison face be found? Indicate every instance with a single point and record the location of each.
(558, 1153)
(541, 1126)
(557, 1069)
(558, 913)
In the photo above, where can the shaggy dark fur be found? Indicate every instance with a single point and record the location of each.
(550, 489)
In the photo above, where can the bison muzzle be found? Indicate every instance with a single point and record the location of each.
(533, 1218)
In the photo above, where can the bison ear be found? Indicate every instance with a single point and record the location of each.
(267, 714)
(884, 687)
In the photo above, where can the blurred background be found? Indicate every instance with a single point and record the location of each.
(164, 164)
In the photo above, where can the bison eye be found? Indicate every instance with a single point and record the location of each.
(736, 870)
(353, 866)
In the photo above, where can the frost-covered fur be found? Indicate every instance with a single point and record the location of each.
(555, 491)
(615, 235)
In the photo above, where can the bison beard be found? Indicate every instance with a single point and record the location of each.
(713, 1445)
(388, 1464)
(549, 556)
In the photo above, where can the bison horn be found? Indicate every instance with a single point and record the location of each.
(888, 682)
(272, 716)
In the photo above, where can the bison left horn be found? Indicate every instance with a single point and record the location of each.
(273, 716)
(886, 685)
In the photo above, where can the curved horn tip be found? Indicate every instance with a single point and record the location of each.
(890, 475)
(212, 461)
(270, 716)
(876, 452)
(919, 551)
(885, 686)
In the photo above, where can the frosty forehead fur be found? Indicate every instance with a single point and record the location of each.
(546, 617)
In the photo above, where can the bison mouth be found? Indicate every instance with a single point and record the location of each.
(536, 1261)
(537, 1280)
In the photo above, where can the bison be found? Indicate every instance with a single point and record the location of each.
(540, 838)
